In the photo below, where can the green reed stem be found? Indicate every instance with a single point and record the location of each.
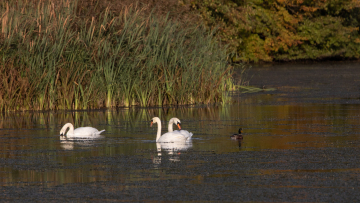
(61, 60)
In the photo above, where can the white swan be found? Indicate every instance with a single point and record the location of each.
(169, 136)
(178, 123)
(82, 132)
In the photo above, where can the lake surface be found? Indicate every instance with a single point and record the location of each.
(301, 144)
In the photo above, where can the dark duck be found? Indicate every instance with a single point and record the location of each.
(237, 136)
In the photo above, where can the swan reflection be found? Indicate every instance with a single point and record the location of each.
(173, 149)
(69, 143)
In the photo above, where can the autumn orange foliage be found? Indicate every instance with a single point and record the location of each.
(284, 30)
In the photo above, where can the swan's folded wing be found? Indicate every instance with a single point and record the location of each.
(185, 133)
(86, 131)
(172, 137)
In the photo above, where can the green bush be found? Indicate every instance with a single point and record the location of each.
(279, 30)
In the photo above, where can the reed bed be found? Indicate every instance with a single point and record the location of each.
(51, 58)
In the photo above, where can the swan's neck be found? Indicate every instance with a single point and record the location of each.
(158, 135)
(71, 129)
(170, 127)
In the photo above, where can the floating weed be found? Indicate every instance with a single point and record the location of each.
(250, 89)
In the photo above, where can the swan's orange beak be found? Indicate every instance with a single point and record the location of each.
(151, 123)
(178, 125)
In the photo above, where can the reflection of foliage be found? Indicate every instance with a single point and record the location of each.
(285, 29)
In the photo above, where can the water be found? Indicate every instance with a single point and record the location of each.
(301, 143)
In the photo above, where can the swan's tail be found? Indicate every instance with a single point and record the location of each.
(100, 132)
(189, 136)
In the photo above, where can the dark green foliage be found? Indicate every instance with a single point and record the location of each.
(285, 29)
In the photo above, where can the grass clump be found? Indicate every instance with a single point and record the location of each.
(54, 59)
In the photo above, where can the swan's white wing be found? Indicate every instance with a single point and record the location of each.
(185, 133)
(86, 132)
(172, 137)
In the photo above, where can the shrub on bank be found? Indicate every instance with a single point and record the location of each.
(278, 30)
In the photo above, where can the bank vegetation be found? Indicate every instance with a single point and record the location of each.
(284, 30)
(64, 55)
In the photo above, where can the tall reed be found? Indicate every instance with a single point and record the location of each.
(54, 59)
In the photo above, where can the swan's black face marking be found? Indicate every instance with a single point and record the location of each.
(151, 123)
(240, 130)
(178, 125)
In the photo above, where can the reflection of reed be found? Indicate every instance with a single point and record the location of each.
(207, 122)
(132, 116)
(268, 127)
(29, 120)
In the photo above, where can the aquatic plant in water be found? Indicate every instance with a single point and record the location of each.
(54, 59)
